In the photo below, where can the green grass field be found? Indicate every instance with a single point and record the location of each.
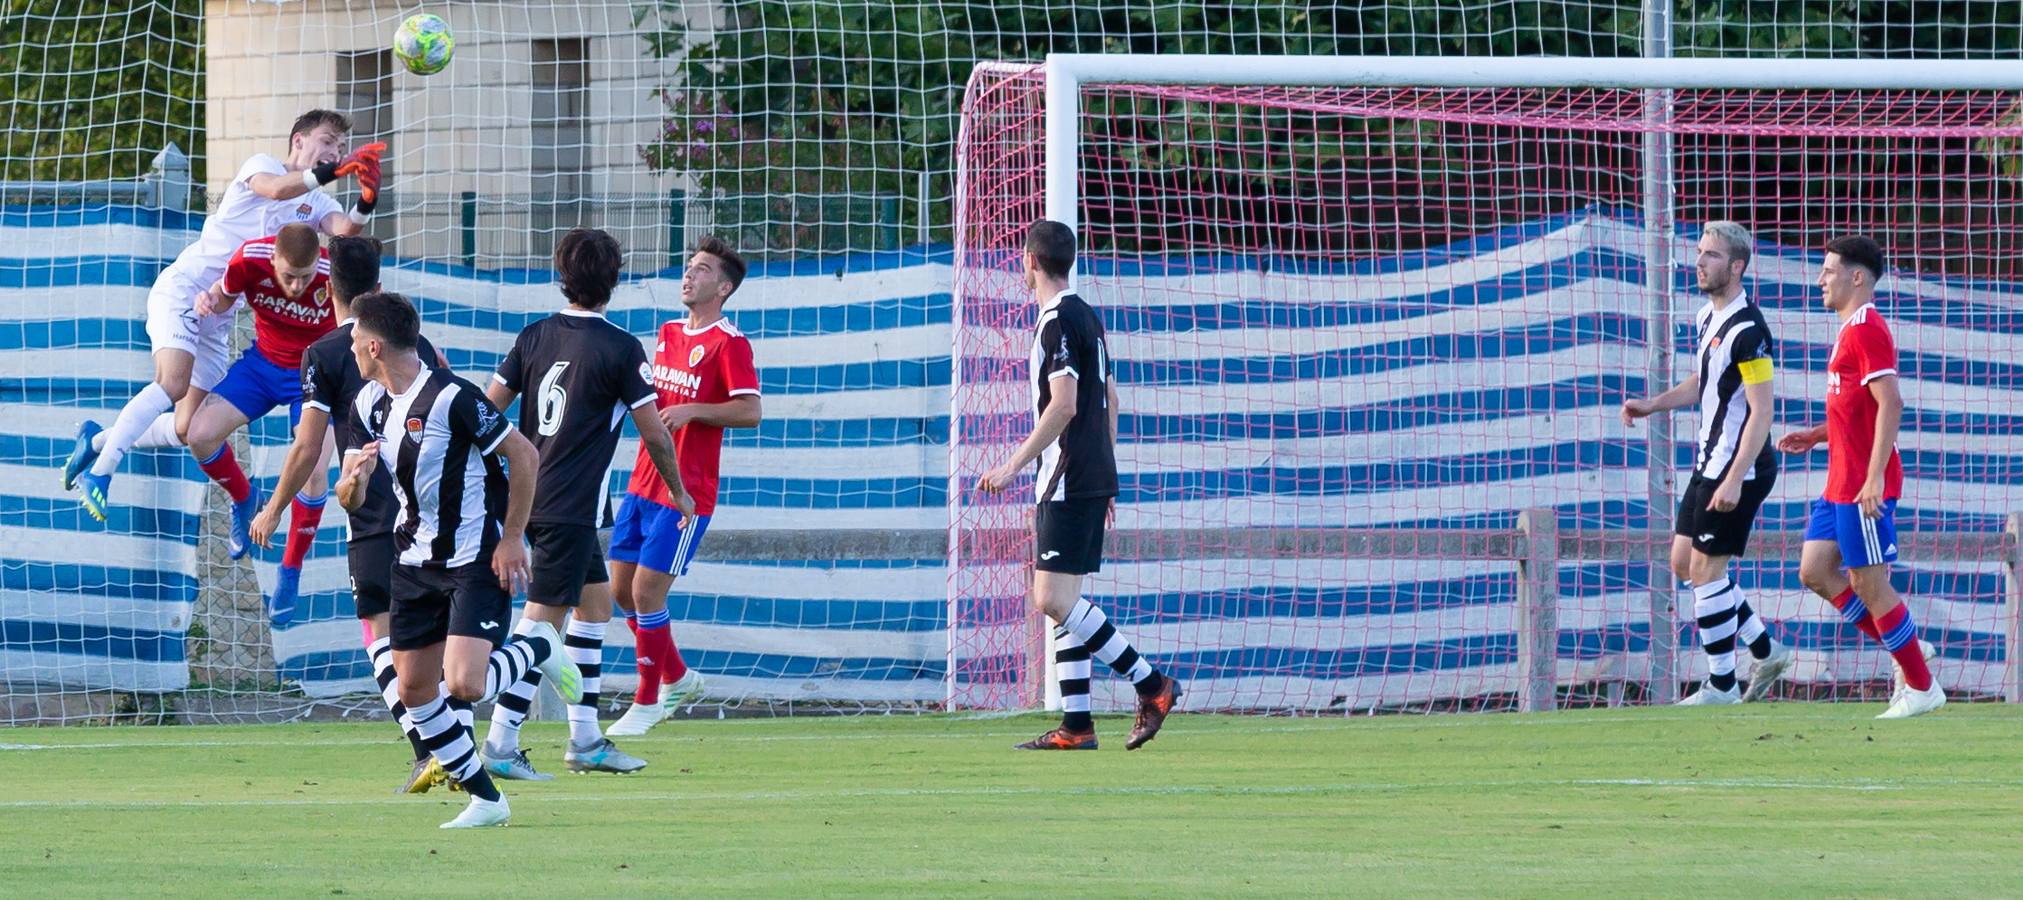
(1768, 800)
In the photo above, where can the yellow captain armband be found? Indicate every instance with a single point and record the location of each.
(1754, 371)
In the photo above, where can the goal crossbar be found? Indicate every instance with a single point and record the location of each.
(1067, 73)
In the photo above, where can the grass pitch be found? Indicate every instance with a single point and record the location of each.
(1771, 800)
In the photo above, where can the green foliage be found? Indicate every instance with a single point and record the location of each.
(97, 87)
(808, 123)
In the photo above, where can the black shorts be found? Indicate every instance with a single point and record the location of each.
(1722, 533)
(371, 560)
(564, 558)
(1068, 535)
(431, 604)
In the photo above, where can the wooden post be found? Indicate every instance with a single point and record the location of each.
(1537, 619)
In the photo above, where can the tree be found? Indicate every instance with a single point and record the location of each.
(98, 87)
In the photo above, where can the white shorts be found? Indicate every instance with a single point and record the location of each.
(173, 324)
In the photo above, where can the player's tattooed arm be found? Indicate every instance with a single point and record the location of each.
(659, 444)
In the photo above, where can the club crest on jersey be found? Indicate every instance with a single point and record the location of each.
(414, 426)
(695, 356)
(304, 210)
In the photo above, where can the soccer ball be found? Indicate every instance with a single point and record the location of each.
(424, 44)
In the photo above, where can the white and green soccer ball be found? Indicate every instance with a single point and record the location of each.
(424, 44)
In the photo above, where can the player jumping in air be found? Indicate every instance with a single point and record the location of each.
(190, 348)
(1074, 441)
(286, 280)
(1853, 523)
(462, 552)
(331, 381)
(581, 376)
(1733, 468)
(703, 373)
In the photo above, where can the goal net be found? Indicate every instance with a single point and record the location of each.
(1359, 331)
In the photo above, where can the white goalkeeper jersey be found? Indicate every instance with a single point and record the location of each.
(244, 215)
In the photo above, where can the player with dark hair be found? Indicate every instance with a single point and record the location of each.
(1853, 524)
(706, 382)
(1074, 442)
(582, 376)
(191, 347)
(464, 479)
(330, 381)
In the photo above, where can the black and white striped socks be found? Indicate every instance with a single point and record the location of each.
(510, 710)
(381, 653)
(512, 661)
(1088, 623)
(1714, 607)
(1071, 669)
(450, 741)
(585, 645)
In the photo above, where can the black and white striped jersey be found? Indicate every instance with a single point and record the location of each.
(331, 382)
(1735, 349)
(440, 440)
(1069, 341)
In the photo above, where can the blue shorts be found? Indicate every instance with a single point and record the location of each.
(651, 535)
(1863, 541)
(255, 385)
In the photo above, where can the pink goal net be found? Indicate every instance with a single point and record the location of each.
(1358, 332)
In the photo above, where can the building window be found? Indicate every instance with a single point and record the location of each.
(365, 93)
(561, 132)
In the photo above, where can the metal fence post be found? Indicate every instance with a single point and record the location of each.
(677, 225)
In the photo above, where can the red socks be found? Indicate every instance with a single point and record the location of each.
(1894, 631)
(303, 518)
(653, 648)
(223, 467)
(1901, 637)
(1856, 614)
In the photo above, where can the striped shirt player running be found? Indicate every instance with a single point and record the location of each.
(190, 348)
(1074, 443)
(582, 377)
(706, 382)
(1853, 523)
(1733, 467)
(462, 556)
(330, 384)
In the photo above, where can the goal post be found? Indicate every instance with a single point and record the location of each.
(1329, 280)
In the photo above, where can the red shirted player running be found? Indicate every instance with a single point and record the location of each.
(286, 281)
(703, 371)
